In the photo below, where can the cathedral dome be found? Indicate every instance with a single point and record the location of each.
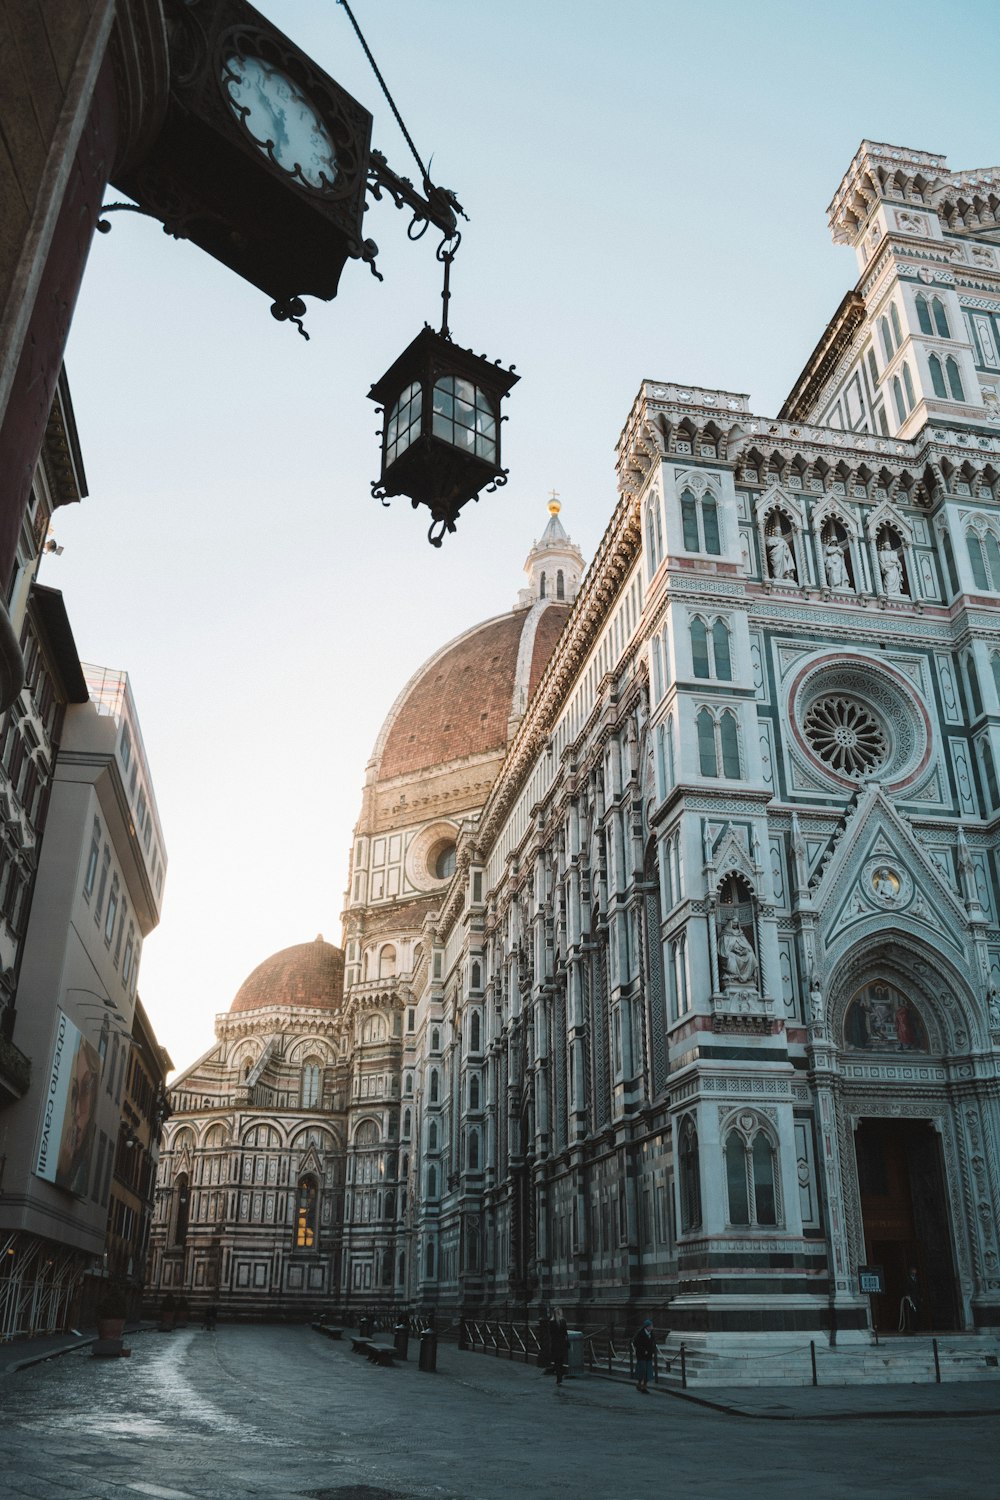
(310, 974)
(461, 701)
(467, 698)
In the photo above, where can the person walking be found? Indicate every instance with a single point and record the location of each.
(644, 1345)
(559, 1344)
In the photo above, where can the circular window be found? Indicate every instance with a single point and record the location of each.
(432, 855)
(846, 735)
(856, 717)
(443, 861)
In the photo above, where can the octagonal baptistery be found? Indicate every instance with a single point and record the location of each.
(249, 1211)
(438, 754)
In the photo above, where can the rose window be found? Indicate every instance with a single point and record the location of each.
(845, 735)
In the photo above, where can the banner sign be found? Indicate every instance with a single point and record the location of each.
(69, 1121)
(871, 1281)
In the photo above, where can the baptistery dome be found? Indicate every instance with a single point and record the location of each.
(309, 974)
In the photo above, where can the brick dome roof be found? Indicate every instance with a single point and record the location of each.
(310, 974)
(460, 702)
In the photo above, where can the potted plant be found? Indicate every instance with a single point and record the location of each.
(111, 1310)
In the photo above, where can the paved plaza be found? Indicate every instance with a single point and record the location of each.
(283, 1412)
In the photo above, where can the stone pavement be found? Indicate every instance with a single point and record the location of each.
(250, 1412)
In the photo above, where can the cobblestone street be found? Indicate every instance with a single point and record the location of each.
(280, 1411)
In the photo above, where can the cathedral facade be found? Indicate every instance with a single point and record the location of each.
(672, 942)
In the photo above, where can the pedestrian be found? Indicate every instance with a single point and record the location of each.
(644, 1345)
(909, 1303)
(559, 1344)
(211, 1316)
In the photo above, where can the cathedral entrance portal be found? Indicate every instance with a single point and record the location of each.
(904, 1208)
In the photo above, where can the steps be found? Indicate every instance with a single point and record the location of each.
(894, 1361)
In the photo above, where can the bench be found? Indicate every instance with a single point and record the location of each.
(359, 1345)
(331, 1333)
(382, 1354)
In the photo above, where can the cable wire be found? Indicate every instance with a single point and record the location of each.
(385, 90)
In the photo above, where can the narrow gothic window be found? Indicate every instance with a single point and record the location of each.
(897, 331)
(699, 647)
(560, 584)
(710, 522)
(305, 1214)
(886, 338)
(897, 396)
(434, 1086)
(751, 1179)
(473, 1150)
(729, 736)
(541, 587)
(473, 1092)
(954, 380)
(690, 1179)
(908, 383)
(310, 1084)
(432, 1136)
(941, 318)
(923, 315)
(937, 377)
(707, 761)
(723, 660)
(182, 1209)
(977, 560)
(474, 1032)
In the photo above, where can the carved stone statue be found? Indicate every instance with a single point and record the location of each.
(835, 565)
(780, 562)
(993, 1004)
(891, 568)
(815, 1000)
(737, 959)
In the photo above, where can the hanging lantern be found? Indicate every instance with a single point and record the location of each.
(441, 435)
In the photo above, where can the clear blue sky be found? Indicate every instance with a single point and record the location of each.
(647, 186)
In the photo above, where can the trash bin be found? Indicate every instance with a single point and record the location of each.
(428, 1350)
(401, 1339)
(575, 1363)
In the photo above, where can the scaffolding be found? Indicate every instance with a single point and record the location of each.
(38, 1283)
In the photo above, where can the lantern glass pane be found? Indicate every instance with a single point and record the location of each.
(403, 425)
(464, 417)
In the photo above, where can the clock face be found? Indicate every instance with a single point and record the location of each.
(280, 120)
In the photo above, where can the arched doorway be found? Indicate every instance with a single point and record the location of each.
(895, 1027)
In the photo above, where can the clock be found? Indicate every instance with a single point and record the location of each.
(262, 159)
(280, 120)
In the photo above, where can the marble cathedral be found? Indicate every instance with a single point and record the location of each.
(671, 957)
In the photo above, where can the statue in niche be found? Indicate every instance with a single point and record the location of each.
(815, 1000)
(780, 562)
(993, 1006)
(835, 563)
(891, 567)
(737, 960)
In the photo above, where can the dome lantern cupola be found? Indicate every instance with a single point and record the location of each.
(554, 565)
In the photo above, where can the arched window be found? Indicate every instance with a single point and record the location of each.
(937, 377)
(305, 1214)
(475, 1028)
(473, 1150)
(560, 584)
(954, 380)
(387, 962)
(434, 1086)
(311, 1076)
(699, 647)
(473, 1091)
(975, 695)
(984, 555)
(751, 1177)
(401, 1268)
(995, 665)
(690, 1177)
(429, 1258)
(374, 1029)
(700, 523)
(908, 383)
(542, 586)
(989, 772)
(464, 417)
(949, 562)
(476, 976)
(654, 535)
(923, 314)
(403, 426)
(407, 1123)
(432, 1136)
(729, 735)
(887, 345)
(182, 1208)
(897, 396)
(435, 1040)
(723, 656)
(894, 317)
(719, 744)
(940, 318)
(432, 1182)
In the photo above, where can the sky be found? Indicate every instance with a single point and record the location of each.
(647, 185)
